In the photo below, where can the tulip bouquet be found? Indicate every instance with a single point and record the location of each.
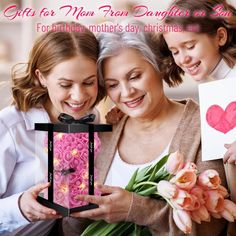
(193, 196)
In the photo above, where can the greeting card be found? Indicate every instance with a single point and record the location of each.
(218, 117)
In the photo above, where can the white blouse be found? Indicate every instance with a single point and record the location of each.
(121, 172)
(19, 168)
(223, 71)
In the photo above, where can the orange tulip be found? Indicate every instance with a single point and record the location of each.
(226, 214)
(209, 179)
(198, 192)
(175, 162)
(190, 166)
(195, 217)
(216, 215)
(214, 201)
(202, 214)
(231, 207)
(184, 200)
(223, 191)
(185, 179)
(182, 220)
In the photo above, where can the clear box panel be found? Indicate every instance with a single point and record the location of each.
(66, 165)
(41, 155)
(71, 167)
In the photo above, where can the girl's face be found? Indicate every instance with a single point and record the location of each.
(72, 87)
(133, 84)
(197, 54)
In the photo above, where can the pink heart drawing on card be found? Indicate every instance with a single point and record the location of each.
(220, 119)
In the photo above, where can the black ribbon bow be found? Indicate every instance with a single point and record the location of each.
(67, 119)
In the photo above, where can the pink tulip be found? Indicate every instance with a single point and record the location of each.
(175, 162)
(230, 206)
(209, 179)
(202, 214)
(198, 192)
(195, 203)
(185, 179)
(216, 215)
(182, 220)
(166, 189)
(195, 217)
(226, 214)
(184, 200)
(190, 166)
(223, 191)
(214, 201)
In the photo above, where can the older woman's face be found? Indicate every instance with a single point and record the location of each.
(133, 84)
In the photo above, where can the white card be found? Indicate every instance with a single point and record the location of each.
(218, 117)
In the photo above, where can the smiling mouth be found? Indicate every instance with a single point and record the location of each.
(134, 102)
(193, 68)
(76, 105)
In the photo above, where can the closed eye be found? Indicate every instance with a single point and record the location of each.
(111, 86)
(65, 85)
(134, 77)
(89, 83)
(191, 47)
(174, 52)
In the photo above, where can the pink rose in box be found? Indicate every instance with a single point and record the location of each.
(71, 167)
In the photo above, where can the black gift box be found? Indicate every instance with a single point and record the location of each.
(60, 129)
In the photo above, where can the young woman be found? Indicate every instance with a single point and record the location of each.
(60, 77)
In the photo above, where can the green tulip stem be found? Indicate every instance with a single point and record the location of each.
(146, 183)
(155, 184)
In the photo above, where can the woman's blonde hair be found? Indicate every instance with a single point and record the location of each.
(49, 50)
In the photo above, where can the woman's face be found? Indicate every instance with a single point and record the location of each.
(72, 87)
(195, 53)
(133, 84)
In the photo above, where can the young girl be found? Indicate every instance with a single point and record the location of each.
(60, 77)
(206, 50)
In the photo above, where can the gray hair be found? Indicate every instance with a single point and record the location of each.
(110, 45)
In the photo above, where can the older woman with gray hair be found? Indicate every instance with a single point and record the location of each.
(152, 126)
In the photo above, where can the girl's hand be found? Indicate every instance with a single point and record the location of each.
(114, 116)
(114, 205)
(31, 209)
(230, 155)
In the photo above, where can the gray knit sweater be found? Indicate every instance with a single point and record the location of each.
(156, 214)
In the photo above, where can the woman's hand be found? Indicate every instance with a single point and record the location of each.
(230, 155)
(114, 205)
(31, 209)
(114, 116)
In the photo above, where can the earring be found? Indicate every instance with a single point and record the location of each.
(43, 85)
